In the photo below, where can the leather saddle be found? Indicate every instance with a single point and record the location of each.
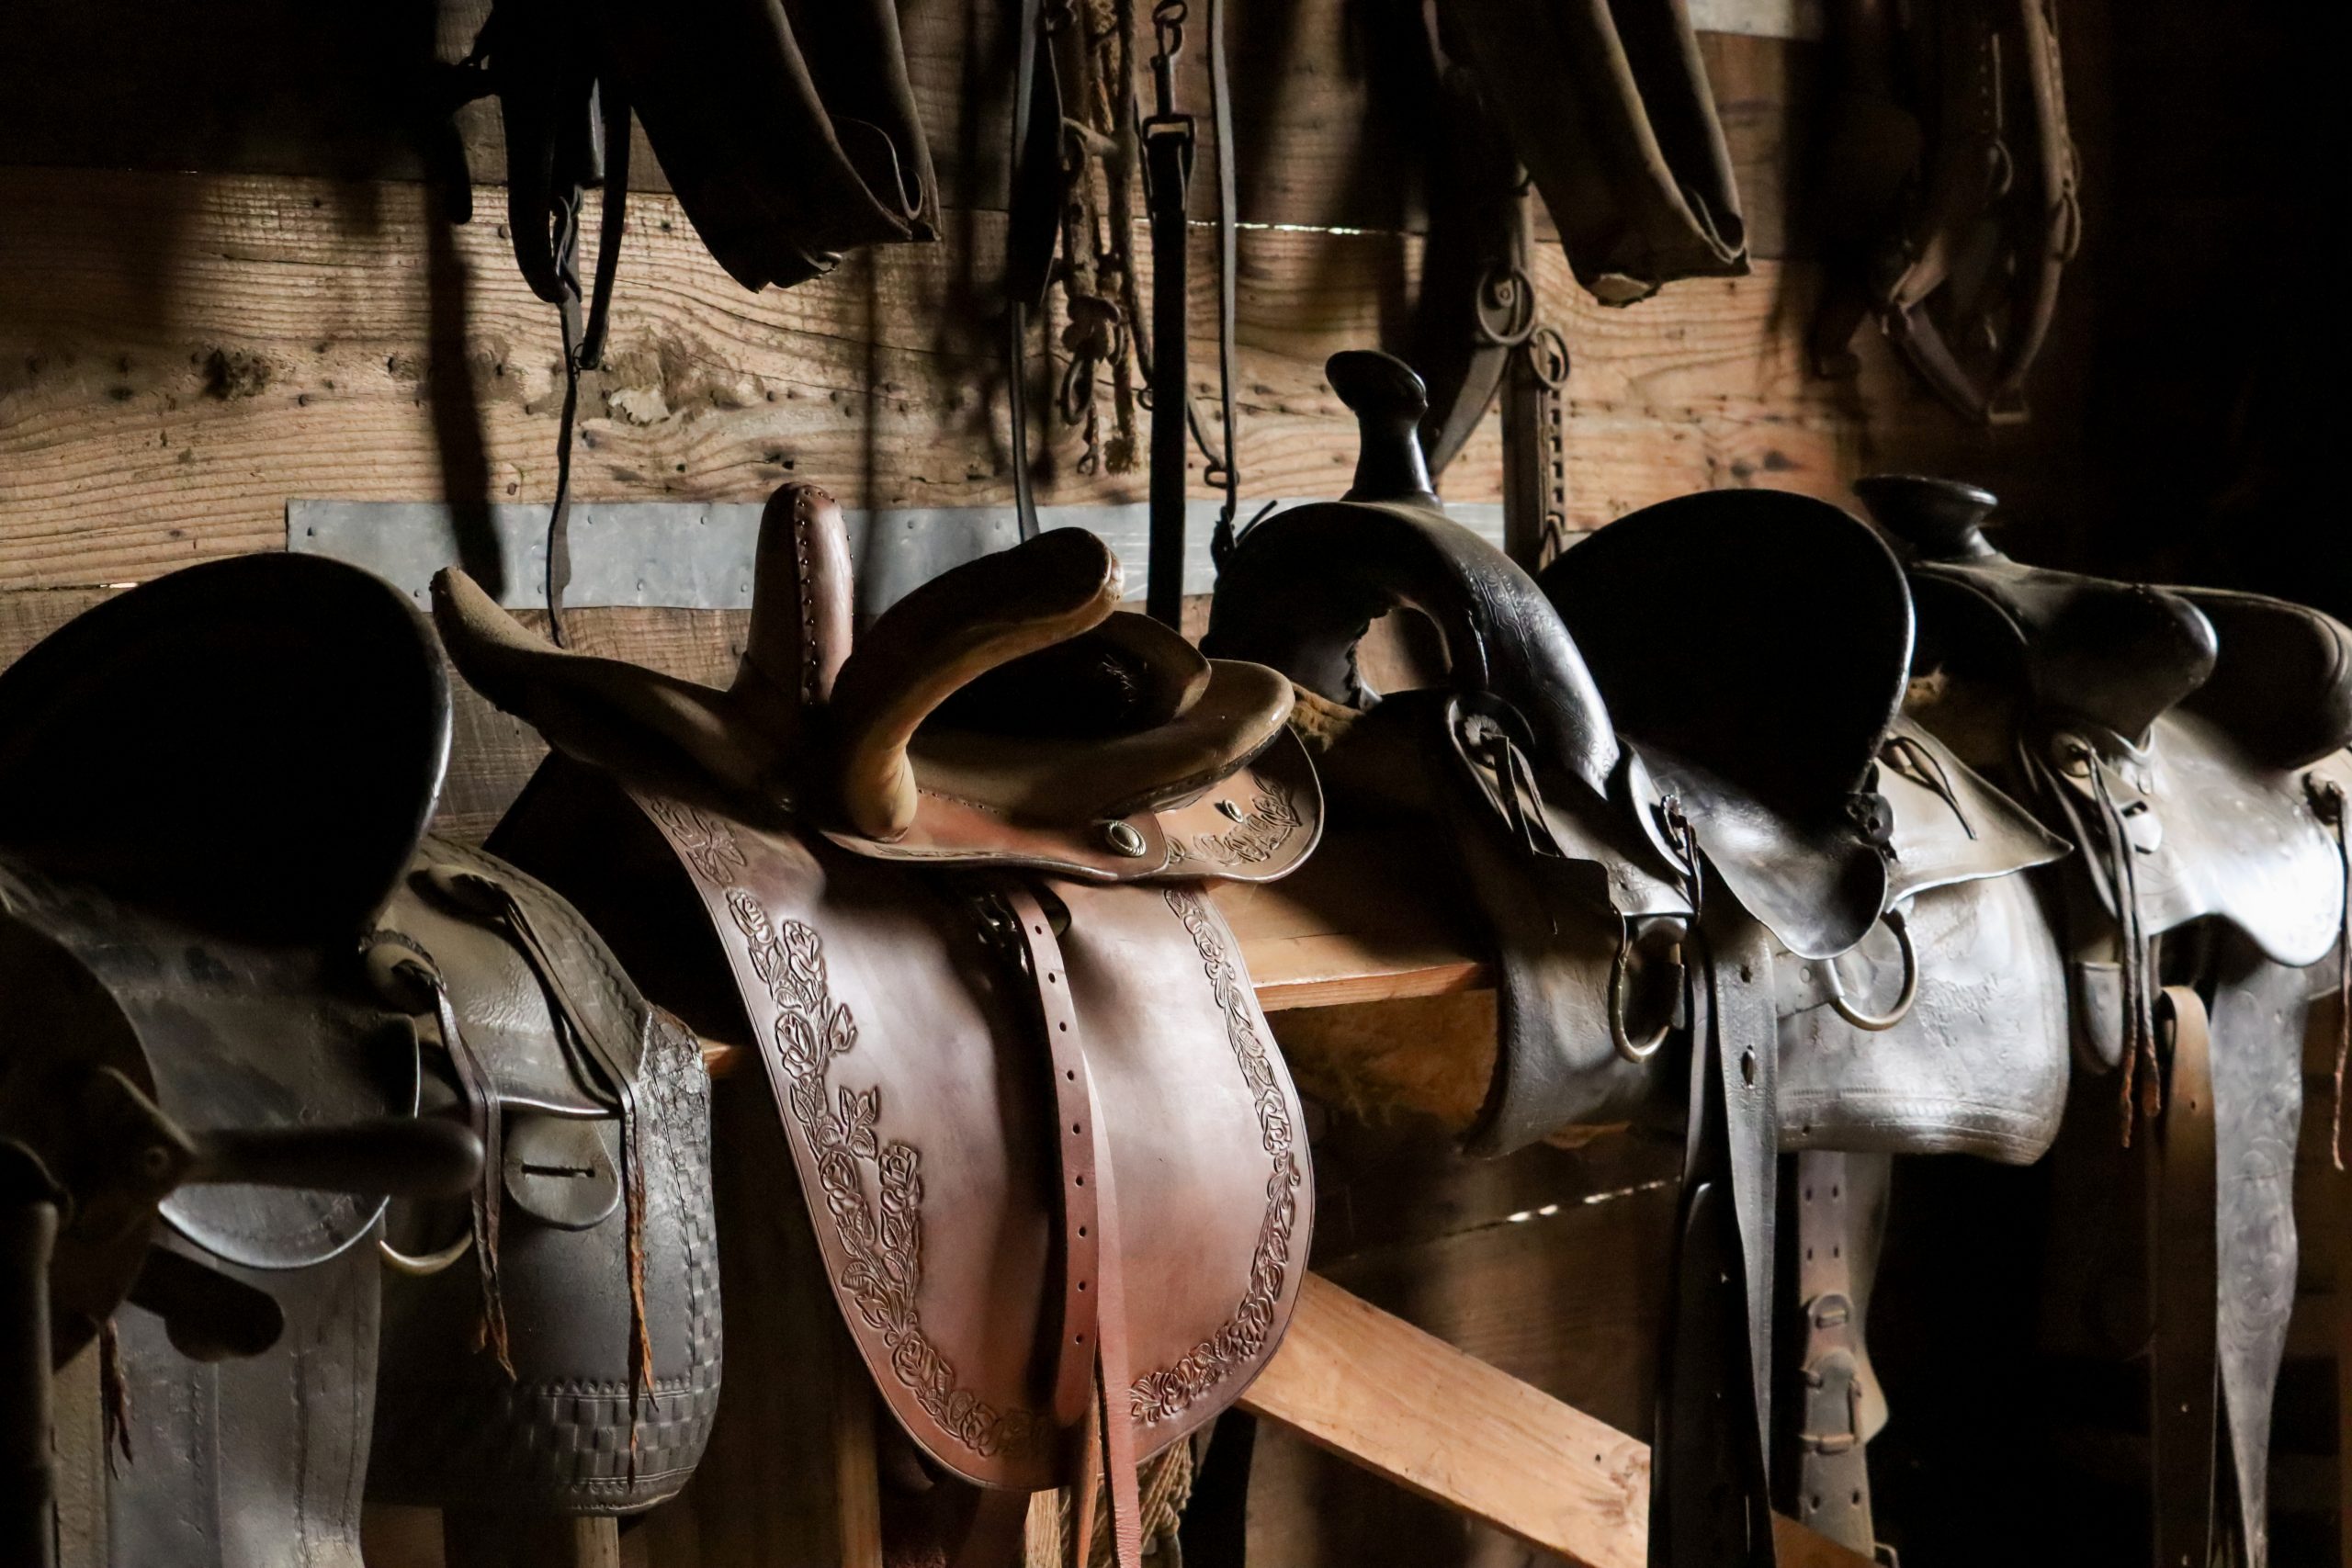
(1653, 842)
(788, 132)
(1950, 192)
(552, 1341)
(2191, 741)
(277, 1001)
(946, 885)
(207, 784)
(1609, 108)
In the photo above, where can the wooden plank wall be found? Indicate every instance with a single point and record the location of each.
(224, 284)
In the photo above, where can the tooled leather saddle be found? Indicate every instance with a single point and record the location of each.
(1665, 853)
(269, 991)
(2191, 741)
(947, 886)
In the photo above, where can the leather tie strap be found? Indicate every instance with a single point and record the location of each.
(391, 953)
(1092, 1373)
(2184, 1264)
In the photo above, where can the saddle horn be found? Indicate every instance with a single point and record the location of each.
(1302, 586)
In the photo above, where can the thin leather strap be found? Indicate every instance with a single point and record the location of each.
(1169, 144)
(558, 563)
(1833, 1479)
(1224, 470)
(1090, 1360)
(613, 218)
(2184, 1265)
(396, 951)
(1032, 230)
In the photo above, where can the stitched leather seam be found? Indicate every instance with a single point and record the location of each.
(1166, 1392)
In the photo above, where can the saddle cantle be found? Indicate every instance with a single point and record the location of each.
(1666, 851)
(1030, 1103)
(2191, 741)
(207, 786)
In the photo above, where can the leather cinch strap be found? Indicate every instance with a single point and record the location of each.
(1091, 1370)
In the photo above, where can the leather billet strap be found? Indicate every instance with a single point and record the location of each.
(1832, 1485)
(2183, 1386)
(1710, 1501)
(1092, 1367)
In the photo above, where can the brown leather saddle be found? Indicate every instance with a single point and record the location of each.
(2191, 742)
(946, 885)
(1656, 844)
(1950, 186)
(274, 1002)
(207, 784)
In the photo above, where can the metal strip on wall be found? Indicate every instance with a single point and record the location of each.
(697, 556)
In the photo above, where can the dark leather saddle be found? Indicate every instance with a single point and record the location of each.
(207, 786)
(551, 1342)
(1655, 825)
(946, 887)
(2191, 741)
(1609, 108)
(275, 1002)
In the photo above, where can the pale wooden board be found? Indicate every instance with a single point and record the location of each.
(1415, 1410)
(180, 354)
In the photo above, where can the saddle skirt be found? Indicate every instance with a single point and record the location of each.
(1042, 1134)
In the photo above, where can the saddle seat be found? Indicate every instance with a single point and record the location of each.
(1049, 1152)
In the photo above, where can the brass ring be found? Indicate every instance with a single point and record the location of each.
(1874, 1022)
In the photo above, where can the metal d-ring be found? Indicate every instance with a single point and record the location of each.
(1620, 968)
(1909, 994)
(424, 1265)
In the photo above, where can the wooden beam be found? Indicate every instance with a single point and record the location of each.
(1411, 1408)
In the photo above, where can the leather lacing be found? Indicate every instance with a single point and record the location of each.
(2138, 961)
(484, 1115)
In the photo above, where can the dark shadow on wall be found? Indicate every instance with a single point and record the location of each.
(262, 86)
